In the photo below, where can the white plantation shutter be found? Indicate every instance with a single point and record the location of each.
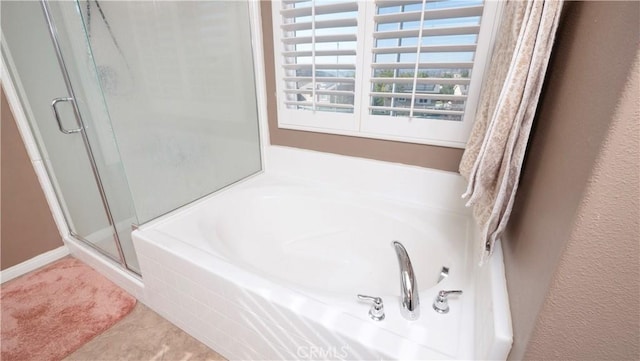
(407, 70)
(319, 54)
(427, 50)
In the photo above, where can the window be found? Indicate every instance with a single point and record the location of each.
(406, 70)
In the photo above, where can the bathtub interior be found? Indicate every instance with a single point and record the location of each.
(323, 240)
(346, 250)
(273, 232)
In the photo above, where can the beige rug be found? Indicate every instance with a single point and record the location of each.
(53, 311)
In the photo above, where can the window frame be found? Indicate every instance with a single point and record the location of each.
(361, 123)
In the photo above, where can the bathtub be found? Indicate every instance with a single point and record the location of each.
(270, 269)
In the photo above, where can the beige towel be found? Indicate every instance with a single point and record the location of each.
(494, 154)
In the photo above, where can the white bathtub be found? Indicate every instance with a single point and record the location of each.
(270, 269)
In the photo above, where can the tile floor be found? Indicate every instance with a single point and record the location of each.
(144, 335)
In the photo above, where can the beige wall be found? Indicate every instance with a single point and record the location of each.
(408, 153)
(27, 228)
(571, 251)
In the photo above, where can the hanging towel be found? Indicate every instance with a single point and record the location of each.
(493, 158)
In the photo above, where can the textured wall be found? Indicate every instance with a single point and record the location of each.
(27, 228)
(592, 310)
(408, 153)
(548, 239)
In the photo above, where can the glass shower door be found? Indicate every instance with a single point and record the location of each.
(75, 47)
(163, 109)
(75, 141)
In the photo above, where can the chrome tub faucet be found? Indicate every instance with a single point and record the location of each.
(410, 308)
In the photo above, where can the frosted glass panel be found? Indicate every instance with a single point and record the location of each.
(35, 71)
(178, 81)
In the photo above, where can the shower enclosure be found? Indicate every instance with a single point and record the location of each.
(138, 108)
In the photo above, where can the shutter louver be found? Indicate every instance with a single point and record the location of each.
(423, 54)
(319, 42)
(400, 70)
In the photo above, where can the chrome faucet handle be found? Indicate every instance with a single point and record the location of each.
(376, 312)
(441, 303)
(444, 273)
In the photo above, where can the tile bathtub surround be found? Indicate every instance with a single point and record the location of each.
(144, 335)
(248, 324)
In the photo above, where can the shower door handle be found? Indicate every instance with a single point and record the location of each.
(57, 115)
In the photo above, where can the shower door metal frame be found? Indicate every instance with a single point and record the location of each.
(53, 32)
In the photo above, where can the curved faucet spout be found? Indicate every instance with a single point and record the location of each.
(408, 284)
